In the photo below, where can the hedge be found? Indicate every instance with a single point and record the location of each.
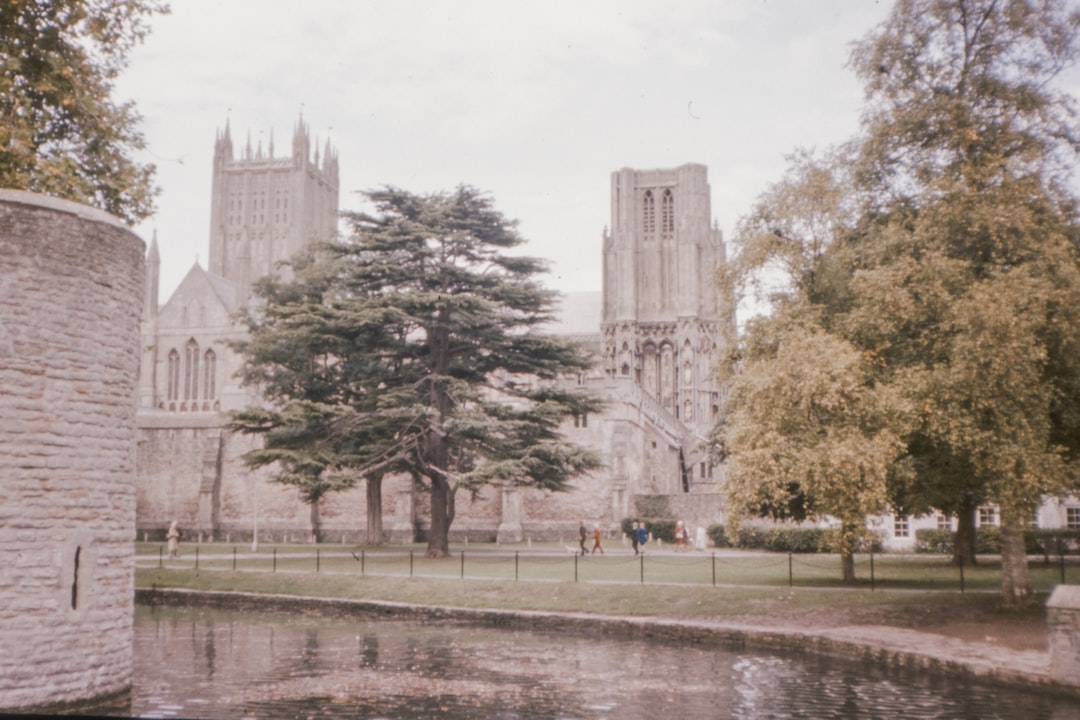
(1037, 541)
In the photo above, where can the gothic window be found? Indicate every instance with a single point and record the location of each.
(191, 370)
(667, 213)
(209, 379)
(172, 391)
(649, 213)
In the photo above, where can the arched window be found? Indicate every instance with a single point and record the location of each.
(649, 213)
(172, 391)
(191, 370)
(209, 379)
(667, 213)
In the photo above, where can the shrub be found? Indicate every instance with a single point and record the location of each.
(717, 536)
(794, 539)
(934, 541)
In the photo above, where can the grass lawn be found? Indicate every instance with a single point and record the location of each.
(553, 563)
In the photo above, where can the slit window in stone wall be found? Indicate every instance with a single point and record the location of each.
(75, 580)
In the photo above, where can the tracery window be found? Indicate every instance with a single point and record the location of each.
(209, 379)
(172, 391)
(667, 214)
(649, 213)
(191, 370)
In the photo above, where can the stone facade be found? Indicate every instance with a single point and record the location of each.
(264, 209)
(71, 290)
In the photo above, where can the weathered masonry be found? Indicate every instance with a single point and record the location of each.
(71, 291)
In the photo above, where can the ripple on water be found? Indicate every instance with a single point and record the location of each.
(283, 666)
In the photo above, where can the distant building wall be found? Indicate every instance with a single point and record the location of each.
(71, 291)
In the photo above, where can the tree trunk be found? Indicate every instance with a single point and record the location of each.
(316, 522)
(849, 541)
(1015, 579)
(441, 503)
(374, 534)
(964, 544)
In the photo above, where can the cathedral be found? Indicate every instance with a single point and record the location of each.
(655, 331)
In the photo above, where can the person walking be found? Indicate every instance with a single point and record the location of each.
(173, 537)
(596, 541)
(634, 536)
(584, 536)
(643, 537)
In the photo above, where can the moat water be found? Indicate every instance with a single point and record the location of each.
(199, 663)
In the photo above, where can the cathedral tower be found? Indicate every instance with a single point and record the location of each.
(264, 209)
(661, 322)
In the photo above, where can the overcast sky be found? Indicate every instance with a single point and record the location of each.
(534, 102)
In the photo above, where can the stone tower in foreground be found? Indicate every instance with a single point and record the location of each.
(71, 287)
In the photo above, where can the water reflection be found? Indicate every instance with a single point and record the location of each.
(216, 664)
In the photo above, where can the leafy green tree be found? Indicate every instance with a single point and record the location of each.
(431, 360)
(61, 133)
(951, 262)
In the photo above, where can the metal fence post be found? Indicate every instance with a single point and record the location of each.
(871, 571)
(516, 566)
(160, 557)
(575, 566)
(275, 560)
(462, 564)
(961, 577)
(790, 573)
(317, 560)
(362, 558)
(234, 559)
(714, 569)
(410, 563)
(642, 564)
(196, 557)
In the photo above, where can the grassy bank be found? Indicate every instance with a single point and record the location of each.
(908, 592)
(554, 563)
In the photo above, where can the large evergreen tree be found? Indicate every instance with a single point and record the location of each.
(952, 263)
(419, 348)
(60, 132)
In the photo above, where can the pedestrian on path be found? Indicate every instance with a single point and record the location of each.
(584, 536)
(173, 537)
(596, 541)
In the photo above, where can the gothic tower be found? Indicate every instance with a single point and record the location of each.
(661, 324)
(264, 209)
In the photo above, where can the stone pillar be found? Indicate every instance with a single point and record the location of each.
(510, 529)
(71, 295)
(1063, 615)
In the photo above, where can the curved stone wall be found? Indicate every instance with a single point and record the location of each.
(71, 288)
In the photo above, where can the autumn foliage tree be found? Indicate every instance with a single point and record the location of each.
(941, 244)
(61, 133)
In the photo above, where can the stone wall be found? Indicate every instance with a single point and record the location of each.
(71, 288)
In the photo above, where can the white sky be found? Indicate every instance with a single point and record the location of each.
(534, 102)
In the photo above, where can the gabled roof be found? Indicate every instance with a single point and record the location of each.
(207, 286)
